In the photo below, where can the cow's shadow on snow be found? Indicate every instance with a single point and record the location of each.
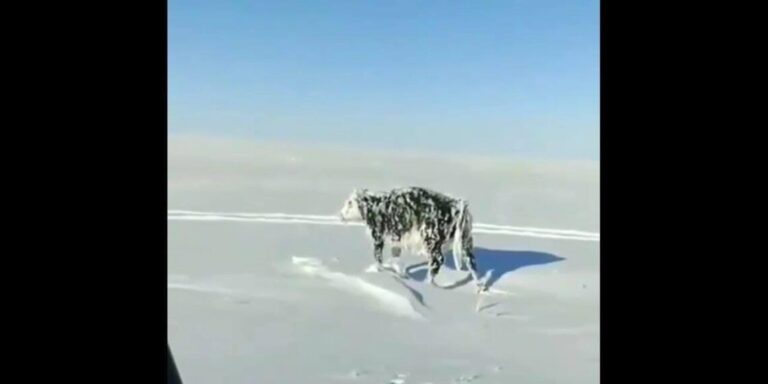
(491, 263)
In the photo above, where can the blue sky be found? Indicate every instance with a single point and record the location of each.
(517, 78)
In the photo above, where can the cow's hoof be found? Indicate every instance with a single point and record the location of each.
(399, 271)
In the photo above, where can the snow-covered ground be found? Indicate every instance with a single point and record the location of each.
(264, 286)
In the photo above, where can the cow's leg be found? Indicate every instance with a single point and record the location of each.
(378, 250)
(435, 262)
(377, 236)
(395, 244)
(434, 247)
(469, 261)
(396, 262)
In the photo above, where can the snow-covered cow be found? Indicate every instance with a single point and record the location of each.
(420, 220)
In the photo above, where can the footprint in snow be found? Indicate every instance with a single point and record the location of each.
(400, 379)
(466, 378)
(357, 373)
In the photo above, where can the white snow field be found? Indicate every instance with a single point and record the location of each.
(266, 286)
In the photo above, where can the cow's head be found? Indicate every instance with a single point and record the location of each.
(353, 208)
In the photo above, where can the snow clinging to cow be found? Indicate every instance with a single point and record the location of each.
(420, 220)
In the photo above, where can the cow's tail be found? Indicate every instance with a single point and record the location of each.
(463, 229)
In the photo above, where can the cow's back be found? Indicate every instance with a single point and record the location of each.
(427, 212)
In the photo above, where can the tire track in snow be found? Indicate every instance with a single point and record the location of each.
(287, 218)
